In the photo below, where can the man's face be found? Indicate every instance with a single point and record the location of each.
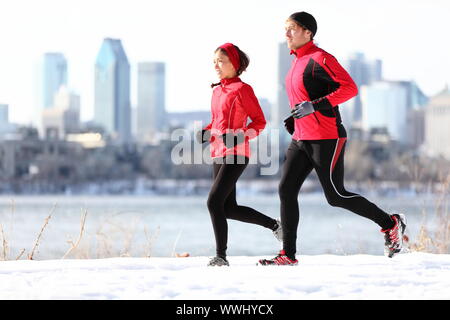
(296, 36)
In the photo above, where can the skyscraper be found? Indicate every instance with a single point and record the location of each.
(385, 107)
(54, 75)
(4, 114)
(389, 105)
(151, 113)
(280, 109)
(64, 116)
(4, 117)
(112, 90)
(437, 129)
(363, 72)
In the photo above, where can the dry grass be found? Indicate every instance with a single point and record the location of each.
(5, 248)
(438, 240)
(113, 238)
(74, 245)
(36, 243)
(150, 241)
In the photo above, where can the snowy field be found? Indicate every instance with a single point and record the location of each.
(406, 276)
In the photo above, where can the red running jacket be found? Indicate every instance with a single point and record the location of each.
(316, 76)
(232, 103)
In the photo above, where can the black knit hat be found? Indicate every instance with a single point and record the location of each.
(305, 20)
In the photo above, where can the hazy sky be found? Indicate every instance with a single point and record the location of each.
(411, 37)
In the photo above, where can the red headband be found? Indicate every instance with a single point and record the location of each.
(232, 54)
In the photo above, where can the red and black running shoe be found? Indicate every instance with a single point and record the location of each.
(393, 238)
(280, 260)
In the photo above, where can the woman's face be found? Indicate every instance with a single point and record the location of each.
(224, 67)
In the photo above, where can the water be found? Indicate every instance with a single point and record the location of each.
(141, 226)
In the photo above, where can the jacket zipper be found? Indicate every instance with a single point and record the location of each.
(293, 68)
(295, 64)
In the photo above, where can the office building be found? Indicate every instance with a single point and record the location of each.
(54, 76)
(151, 110)
(112, 108)
(363, 72)
(64, 117)
(437, 128)
(281, 108)
(393, 106)
(4, 114)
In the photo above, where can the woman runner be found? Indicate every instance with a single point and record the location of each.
(233, 102)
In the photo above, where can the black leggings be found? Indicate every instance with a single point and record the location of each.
(326, 157)
(222, 203)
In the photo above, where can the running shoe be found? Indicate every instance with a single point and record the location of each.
(393, 238)
(280, 260)
(218, 262)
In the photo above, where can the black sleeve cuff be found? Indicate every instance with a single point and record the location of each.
(322, 104)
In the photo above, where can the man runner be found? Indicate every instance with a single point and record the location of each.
(316, 84)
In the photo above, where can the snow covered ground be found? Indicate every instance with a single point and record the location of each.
(406, 276)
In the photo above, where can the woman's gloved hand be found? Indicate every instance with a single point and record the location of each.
(289, 125)
(203, 136)
(231, 140)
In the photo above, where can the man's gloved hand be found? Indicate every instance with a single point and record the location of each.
(231, 140)
(302, 109)
(289, 124)
(203, 136)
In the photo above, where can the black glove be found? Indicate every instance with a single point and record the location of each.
(203, 136)
(231, 140)
(289, 124)
(302, 109)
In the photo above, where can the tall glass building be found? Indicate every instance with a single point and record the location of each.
(363, 72)
(388, 105)
(437, 119)
(151, 113)
(281, 109)
(4, 117)
(112, 90)
(54, 76)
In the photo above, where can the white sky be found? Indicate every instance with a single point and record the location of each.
(411, 37)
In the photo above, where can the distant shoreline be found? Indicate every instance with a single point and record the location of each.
(192, 187)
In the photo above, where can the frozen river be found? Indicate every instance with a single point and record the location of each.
(141, 226)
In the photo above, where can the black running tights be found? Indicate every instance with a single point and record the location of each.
(222, 203)
(326, 157)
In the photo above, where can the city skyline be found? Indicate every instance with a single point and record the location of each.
(387, 31)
